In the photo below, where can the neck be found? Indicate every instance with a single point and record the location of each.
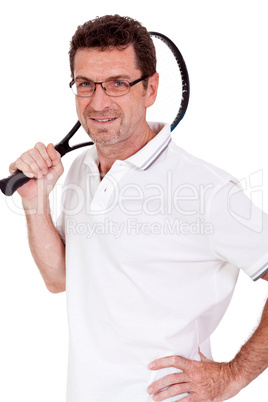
(122, 150)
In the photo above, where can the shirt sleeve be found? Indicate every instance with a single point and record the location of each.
(240, 230)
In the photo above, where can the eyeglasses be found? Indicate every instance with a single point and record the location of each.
(111, 88)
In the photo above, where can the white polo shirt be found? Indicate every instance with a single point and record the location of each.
(153, 253)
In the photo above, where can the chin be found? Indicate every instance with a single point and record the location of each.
(104, 138)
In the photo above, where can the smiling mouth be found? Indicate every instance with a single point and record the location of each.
(104, 120)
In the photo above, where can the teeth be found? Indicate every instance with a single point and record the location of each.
(104, 120)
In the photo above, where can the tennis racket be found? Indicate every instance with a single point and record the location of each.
(170, 106)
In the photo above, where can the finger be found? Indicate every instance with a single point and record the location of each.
(43, 152)
(23, 166)
(170, 361)
(31, 162)
(173, 390)
(13, 167)
(53, 154)
(189, 398)
(166, 381)
(34, 160)
(202, 357)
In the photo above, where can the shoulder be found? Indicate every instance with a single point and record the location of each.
(82, 158)
(197, 170)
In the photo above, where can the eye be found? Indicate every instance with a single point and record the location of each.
(84, 88)
(83, 84)
(116, 87)
(119, 84)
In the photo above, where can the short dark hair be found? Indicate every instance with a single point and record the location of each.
(114, 31)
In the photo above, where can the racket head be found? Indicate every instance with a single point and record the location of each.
(174, 85)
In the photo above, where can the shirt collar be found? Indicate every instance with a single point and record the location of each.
(145, 157)
(91, 158)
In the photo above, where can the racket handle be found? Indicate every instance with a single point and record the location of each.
(9, 185)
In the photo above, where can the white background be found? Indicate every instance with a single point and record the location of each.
(225, 46)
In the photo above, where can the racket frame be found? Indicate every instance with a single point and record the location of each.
(184, 77)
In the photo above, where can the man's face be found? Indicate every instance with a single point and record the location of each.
(109, 120)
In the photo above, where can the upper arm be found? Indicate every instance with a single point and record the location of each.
(265, 276)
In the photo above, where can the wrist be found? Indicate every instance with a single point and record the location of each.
(240, 375)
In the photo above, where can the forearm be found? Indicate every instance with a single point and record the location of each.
(45, 243)
(252, 359)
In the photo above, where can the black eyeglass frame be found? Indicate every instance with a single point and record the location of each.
(131, 84)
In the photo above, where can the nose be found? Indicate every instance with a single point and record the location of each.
(99, 100)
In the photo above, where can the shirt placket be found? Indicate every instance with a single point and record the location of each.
(108, 191)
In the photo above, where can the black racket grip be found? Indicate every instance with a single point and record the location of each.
(9, 185)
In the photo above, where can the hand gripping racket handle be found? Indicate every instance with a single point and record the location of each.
(11, 184)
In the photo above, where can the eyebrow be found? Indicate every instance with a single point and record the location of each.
(114, 77)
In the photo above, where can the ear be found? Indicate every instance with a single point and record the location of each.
(152, 88)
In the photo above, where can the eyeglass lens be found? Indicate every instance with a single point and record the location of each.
(112, 88)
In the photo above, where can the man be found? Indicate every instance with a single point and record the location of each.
(145, 288)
